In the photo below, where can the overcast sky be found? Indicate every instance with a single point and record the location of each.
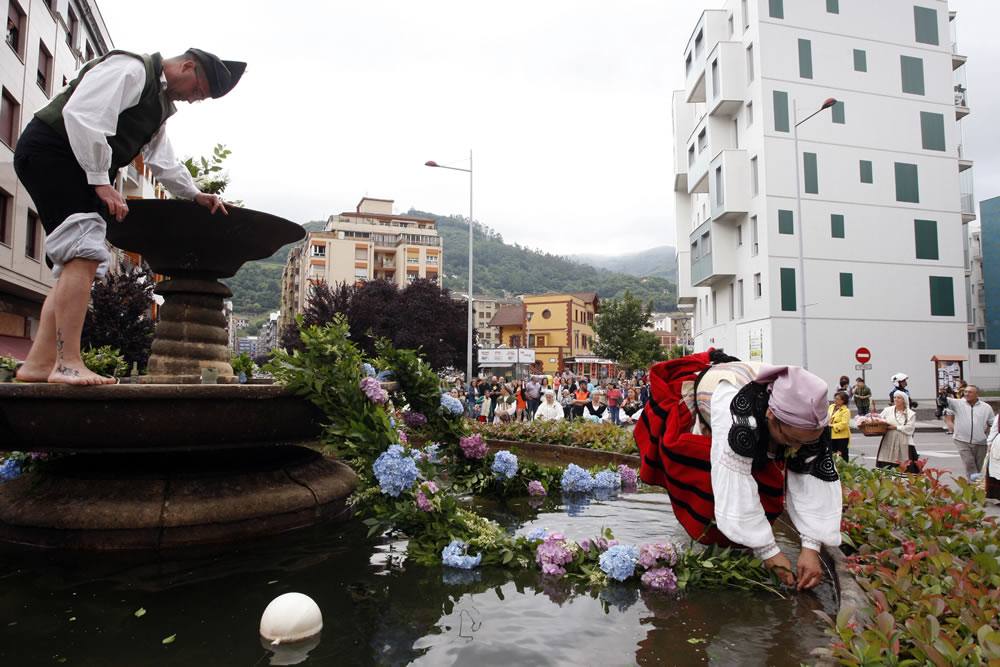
(565, 104)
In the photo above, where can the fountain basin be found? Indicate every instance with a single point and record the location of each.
(49, 417)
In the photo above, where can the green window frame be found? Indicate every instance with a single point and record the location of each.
(805, 59)
(925, 239)
(787, 289)
(907, 183)
(867, 175)
(925, 25)
(837, 113)
(932, 131)
(860, 60)
(786, 222)
(811, 173)
(833, 6)
(837, 225)
(846, 284)
(781, 123)
(942, 296)
(776, 9)
(912, 74)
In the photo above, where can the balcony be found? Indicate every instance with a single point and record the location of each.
(698, 158)
(683, 123)
(712, 27)
(726, 80)
(963, 162)
(712, 254)
(729, 185)
(957, 60)
(961, 102)
(968, 207)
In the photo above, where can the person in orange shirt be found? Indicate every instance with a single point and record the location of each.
(582, 397)
(522, 405)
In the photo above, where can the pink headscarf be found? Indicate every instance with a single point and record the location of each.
(798, 398)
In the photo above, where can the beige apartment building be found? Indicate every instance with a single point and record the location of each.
(483, 310)
(369, 243)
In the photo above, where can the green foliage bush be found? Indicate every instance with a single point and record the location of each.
(105, 360)
(242, 363)
(602, 436)
(929, 559)
(8, 364)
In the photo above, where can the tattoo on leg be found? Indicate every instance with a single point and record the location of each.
(60, 366)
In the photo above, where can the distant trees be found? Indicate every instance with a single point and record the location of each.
(421, 315)
(119, 315)
(620, 334)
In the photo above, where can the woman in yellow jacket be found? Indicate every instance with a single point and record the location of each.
(840, 424)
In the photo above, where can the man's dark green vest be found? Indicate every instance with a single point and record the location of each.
(136, 125)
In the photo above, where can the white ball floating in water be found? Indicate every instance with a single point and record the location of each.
(289, 618)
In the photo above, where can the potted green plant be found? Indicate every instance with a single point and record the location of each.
(243, 367)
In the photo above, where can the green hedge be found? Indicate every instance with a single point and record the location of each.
(602, 436)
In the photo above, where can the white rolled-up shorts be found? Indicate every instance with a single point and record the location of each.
(80, 236)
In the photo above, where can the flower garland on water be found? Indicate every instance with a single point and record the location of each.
(455, 555)
(576, 480)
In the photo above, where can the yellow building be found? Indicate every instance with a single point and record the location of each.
(559, 328)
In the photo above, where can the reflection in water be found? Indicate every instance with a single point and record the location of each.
(379, 609)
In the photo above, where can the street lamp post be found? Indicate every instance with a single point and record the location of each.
(468, 340)
(829, 102)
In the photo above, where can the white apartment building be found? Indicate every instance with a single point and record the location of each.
(871, 251)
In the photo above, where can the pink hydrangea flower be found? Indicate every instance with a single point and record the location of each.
(429, 487)
(473, 446)
(535, 488)
(585, 546)
(651, 554)
(660, 579)
(403, 437)
(373, 390)
(629, 476)
(552, 554)
(423, 503)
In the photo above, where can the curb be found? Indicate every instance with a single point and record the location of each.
(850, 595)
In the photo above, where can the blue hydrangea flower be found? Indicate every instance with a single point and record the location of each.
(368, 370)
(504, 465)
(11, 469)
(396, 472)
(608, 480)
(384, 376)
(537, 534)
(451, 405)
(576, 480)
(454, 555)
(619, 561)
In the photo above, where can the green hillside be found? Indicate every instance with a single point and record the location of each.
(501, 270)
(657, 261)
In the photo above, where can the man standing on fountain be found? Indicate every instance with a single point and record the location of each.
(67, 159)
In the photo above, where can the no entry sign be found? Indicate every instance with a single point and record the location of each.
(863, 355)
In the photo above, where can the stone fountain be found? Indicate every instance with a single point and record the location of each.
(166, 462)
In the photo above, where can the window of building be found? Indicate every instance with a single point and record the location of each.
(837, 113)
(44, 75)
(846, 284)
(805, 59)
(786, 223)
(15, 28)
(925, 239)
(781, 111)
(866, 171)
(739, 235)
(750, 68)
(715, 308)
(317, 251)
(758, 290)
(720, 196)
(833, 6)
(787, 278)
(89, 52)
(907, 187)
(745, 13)
(776, 9)
(360, 273)
(73, 29)
(32, 242)
(754, 245)
(932, 131)
(702, 139)
(837, 225)
(739, 298)
(754, 177)
(912, 74)
(749, 114)
(6, 202)
(715, 78)
(706, 244)
(732, 301)
(942, 296)
(925, 25)
(9, 111)
(546, 314)
(687, 63)
(811, 173)
(732, 30)
(860, 60)
(987, 358)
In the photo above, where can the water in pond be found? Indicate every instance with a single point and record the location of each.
(379, 610)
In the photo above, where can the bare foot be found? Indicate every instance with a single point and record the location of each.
(33, 373)
(79, 374)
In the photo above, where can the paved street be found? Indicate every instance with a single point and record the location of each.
(936, 446)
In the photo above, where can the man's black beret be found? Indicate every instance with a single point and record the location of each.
(222, 75)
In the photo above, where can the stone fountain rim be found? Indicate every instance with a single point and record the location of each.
(136, 392)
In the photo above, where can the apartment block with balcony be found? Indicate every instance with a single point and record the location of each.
(369, 243)
(882, 176)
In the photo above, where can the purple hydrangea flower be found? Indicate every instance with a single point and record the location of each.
(473, 446)
(660, 579)
(423, 503)
(651, 554)
(535, 488)
(552, 554)
(403, 438)
(414, 419)
(629, 476)
(373, 390)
